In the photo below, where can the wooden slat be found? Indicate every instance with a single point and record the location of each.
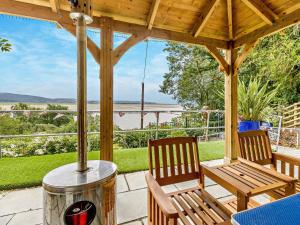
(178, 159)
(185, 159)
(157, 164)
(187, 209)
(191, 153)
(164, 160)
(200, 201)
(283, 167)
(292, 170)
(255, 173)
(171, 155)
(202, 215)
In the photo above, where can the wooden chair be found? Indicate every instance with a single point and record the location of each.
(174, 160)
(256, 147)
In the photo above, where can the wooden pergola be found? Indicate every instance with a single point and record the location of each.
(231, 27)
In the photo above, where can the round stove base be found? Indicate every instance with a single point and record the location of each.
(64, 188)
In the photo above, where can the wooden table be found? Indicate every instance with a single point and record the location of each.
(246, 179)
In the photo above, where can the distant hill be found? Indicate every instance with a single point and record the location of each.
(10, 97)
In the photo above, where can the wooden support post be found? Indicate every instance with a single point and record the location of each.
(106, 90)
(231, 106)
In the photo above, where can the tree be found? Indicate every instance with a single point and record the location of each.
(5, 46)
(193, 78)
(276, 60)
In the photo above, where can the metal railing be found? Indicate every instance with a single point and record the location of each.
(156, 125)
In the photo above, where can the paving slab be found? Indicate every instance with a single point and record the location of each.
(5, 219)
(121, 184)
(34, 217)
(169, 188)
(131, 205)
(21, 200)
(187, 184)
(217, 191)
(136, 180)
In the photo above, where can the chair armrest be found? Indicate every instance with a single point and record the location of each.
(160, 197)
(286, 158)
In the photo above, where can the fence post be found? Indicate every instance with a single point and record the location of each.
(207, 125)
(157, 124)
(278, 133)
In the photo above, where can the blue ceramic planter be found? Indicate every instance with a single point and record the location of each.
(248, 125)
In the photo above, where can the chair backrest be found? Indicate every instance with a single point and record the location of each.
(173, 160)
(255, 146)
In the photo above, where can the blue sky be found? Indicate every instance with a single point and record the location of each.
(43, 63)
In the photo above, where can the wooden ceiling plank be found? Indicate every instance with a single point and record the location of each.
(281, 23)
(230, 19)
(152, 13)
(54, 5)
(45, 13)
(204, 16)
(262, 10)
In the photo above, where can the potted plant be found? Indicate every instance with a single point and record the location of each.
(253, 104)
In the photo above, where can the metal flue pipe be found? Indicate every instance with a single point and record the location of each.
(81, 93)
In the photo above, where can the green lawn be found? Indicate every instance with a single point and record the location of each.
(29, 171)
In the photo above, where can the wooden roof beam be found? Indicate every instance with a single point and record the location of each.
(204, 16)
(281, 23)
(221, 60)
(54, 5)
(230, 19)
(262, 10)
(152, 13)
(122, 48)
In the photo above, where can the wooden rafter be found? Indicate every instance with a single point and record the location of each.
(204, 16)
(152, 13)
(216, 54)
(130, 42)
(44, 13)
(262, 10)
(92, 47)
(230, 19)
(242, 56)
(281, 23)
(54, 5)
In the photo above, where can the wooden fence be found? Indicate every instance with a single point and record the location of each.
(291, 116)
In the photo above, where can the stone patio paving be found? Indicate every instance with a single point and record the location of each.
(24, 207)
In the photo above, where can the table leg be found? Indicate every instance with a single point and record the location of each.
(242, 202)
(290, 189)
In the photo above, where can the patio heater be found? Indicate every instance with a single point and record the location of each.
(82, 193)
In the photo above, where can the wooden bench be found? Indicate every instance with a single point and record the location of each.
(174, 160)
(255, 146)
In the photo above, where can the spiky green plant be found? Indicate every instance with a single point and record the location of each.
(254, 100)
